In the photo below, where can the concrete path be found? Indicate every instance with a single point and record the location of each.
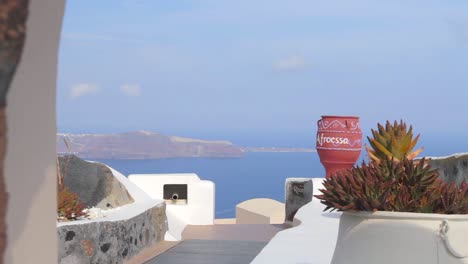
(246, 232)
(152, 251)
(225, 243)
(210, 252)
(231, 243)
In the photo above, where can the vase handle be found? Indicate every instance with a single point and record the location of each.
(443, 233)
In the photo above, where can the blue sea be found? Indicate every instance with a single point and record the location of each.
(257, 175)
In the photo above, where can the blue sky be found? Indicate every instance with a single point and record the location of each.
(262, 72)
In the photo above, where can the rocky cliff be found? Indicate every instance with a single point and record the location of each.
(94, 183)
(142, 145)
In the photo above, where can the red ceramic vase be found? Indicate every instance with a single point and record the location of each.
(339, 142)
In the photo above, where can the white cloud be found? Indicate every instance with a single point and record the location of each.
(291, 63)
(130, 89)
(83, 89)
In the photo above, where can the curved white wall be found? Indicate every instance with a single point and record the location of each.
(312, 240)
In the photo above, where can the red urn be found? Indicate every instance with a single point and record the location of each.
(339, 142)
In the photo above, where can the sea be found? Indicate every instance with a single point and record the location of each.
(256, 175)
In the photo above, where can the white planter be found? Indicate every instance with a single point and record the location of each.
(403, 238)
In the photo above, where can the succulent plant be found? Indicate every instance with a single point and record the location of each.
(69, 205)
(392, 141)
(406, 186)
(392, 180)
(450, 198)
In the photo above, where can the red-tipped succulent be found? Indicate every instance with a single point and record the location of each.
(392, 183)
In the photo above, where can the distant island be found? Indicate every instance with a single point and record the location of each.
(150, 145)
(274, 149)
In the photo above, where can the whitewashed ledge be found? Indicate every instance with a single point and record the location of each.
(142, 203)
(312, 240)
(121, 234)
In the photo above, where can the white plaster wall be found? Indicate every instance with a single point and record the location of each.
(153, 184)
(200, 208)
(312, 240)
(30, 161)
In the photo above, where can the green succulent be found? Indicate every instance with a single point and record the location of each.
(392, 141)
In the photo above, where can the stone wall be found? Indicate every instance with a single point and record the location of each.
(452, 168)
(111, 241)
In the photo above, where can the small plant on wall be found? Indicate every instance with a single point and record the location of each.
(69, 206)
(393, 181)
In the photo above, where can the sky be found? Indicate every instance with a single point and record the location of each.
(260, 72)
